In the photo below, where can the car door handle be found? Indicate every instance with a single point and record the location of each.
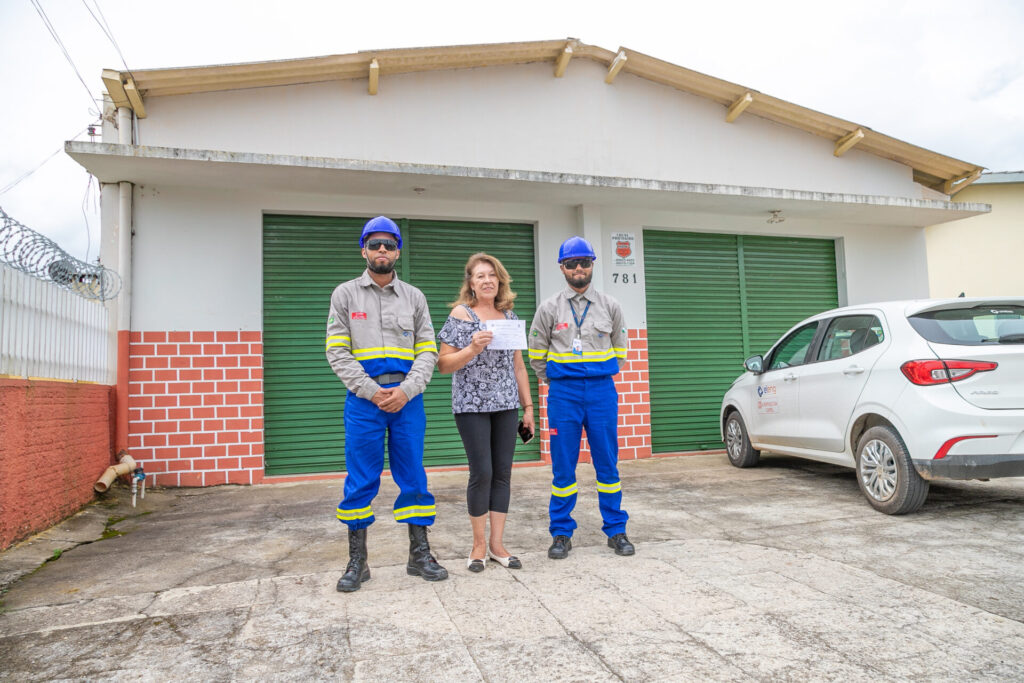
(790, 377)
(853, 370)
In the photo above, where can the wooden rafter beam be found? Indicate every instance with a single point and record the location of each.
(737, 107)
(845, 143)
(135, 98)
(112, 79)
(954, 185)
(374, 77)
(616, 66)
(563, 61)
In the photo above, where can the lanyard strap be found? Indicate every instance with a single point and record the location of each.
(579, 320)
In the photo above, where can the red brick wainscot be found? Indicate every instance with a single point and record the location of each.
(195, 406)
(56, 439)
(634, 389)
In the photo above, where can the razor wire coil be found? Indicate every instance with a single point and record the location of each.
(24, 249)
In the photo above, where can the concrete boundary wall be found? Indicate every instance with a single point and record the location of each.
(56, 439)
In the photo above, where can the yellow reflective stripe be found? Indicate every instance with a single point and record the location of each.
(609, 488)
(538, 353)
(338, 340)
(607, 352)
(415, 511)
(576, 359)
(383, 352)
(349, 515)
(621, 353)
(426, 347)
(564, 492)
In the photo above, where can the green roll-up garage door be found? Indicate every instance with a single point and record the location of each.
(713, 300)
(304, 259)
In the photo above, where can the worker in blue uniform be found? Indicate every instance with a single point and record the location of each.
(380, 343)
(578, 343)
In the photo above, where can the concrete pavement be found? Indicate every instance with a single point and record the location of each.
(781, 572)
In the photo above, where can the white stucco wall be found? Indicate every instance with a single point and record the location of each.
(521, 117)
(197, 254)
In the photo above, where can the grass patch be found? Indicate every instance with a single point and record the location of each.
(109, 531)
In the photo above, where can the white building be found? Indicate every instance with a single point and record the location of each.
(721, 216)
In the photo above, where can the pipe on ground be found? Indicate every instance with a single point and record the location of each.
(126, 466)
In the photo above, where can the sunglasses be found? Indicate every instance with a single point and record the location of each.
(375, 244)
(572, 263)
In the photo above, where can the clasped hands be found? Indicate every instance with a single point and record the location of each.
(390, 400)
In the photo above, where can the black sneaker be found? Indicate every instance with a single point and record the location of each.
(621, 545)
(560, 547)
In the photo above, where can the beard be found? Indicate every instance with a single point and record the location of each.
(579, 281)
(380, 268)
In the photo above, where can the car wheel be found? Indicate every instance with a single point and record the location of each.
(886, 475)
(737, 443)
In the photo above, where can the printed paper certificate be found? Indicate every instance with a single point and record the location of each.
(508, 334)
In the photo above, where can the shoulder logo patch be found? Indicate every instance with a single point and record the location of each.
(330, 321)
(535, 333)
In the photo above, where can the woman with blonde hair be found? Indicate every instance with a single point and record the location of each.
(488, 387)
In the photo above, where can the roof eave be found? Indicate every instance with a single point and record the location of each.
(931, 169)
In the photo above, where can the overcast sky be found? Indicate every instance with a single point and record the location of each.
(944, 75)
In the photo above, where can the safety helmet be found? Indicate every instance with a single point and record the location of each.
(380, 224)
(575, 247)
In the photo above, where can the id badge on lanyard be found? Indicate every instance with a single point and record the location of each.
(577, 342)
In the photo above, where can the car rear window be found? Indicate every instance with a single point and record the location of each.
(975, 326)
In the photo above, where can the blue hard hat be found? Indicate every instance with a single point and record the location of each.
(380, 224)
(575, 247)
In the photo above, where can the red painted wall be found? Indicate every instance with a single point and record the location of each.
(56, 439)
(634, 389)
(195, 406)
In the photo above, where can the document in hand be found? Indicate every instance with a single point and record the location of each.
(508, 334)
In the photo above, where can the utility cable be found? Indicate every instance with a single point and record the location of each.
(105, 27)
(11, 185)
(60, 44)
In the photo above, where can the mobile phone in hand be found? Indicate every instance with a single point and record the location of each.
(525, 434)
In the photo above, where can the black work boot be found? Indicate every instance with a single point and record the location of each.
(421, 562)
(621, 545)
(357, 570)
(560, 547)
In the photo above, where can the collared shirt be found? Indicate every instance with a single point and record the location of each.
(603, 333)
(374, 330)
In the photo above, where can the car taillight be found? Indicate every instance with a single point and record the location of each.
(925, 372)
(944, 448)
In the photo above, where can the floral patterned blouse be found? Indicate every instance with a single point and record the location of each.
(487, 383)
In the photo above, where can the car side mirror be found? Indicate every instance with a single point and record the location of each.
(754, 364)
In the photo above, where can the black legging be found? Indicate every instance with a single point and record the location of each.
(490, 441)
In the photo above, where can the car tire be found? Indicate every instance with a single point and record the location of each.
(737, 442)
(886, 475)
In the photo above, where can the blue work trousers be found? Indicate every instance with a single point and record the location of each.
(365, 428)
(574, 404)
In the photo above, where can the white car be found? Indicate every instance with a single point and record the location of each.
(904, 392)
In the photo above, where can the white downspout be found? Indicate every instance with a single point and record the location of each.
(124, 268)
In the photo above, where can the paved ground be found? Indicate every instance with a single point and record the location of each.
(781, 572)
